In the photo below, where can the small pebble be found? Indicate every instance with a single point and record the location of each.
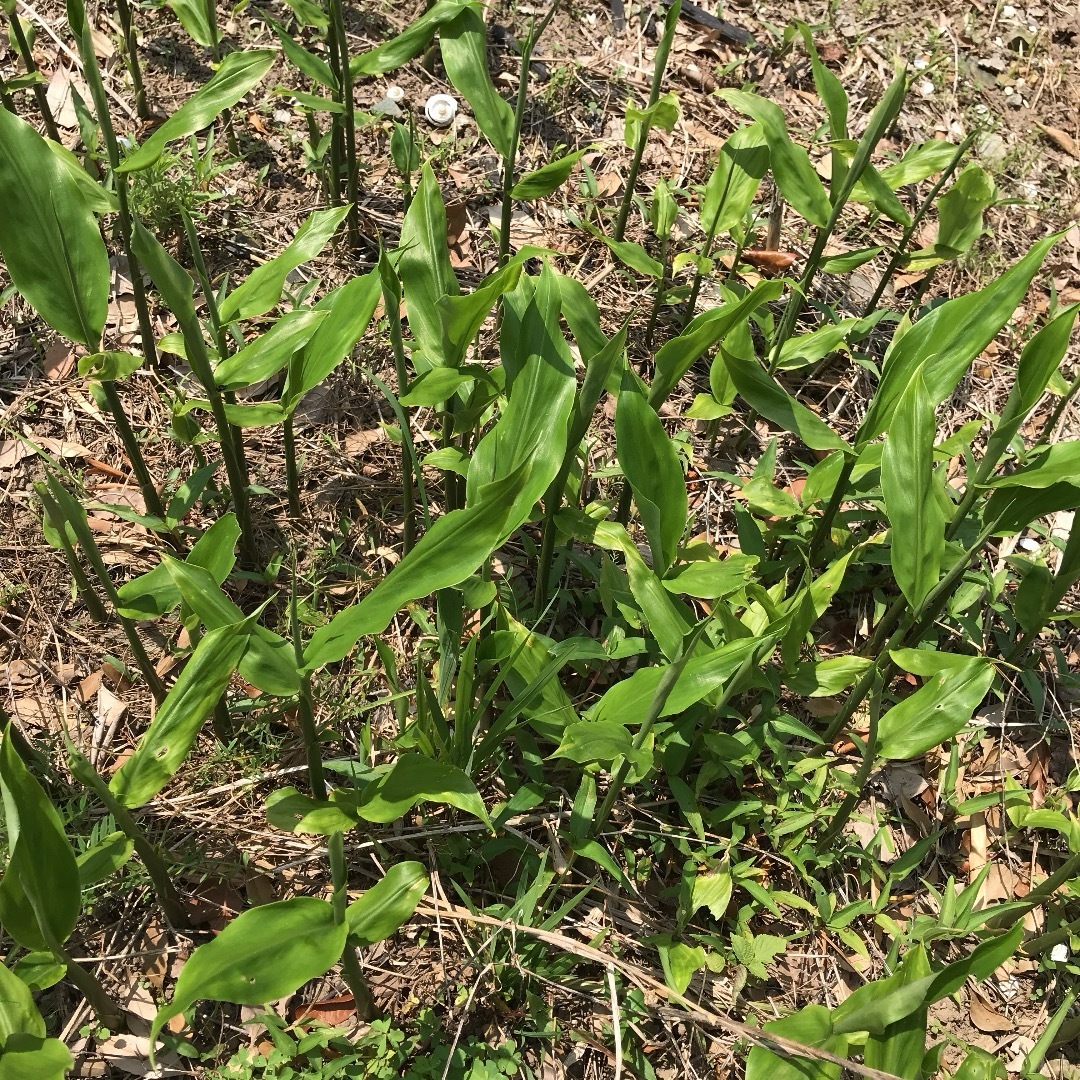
(926, 88)
(281, 116)
(1059, 953)
(919, 63)
(1026, 543)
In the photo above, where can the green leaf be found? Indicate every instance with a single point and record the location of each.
(979, 964)
(713, 891)
(385, 907)
(729, 193)
(18, 1013)
(462, 316)
(954, 333)
(981, 1065)
(763, 393)
(270, 352)
(263, 954)
(605, 742)
(712, 580)
(824, 678)
(172, 732)
(847, 261)
(877, 1006)
(546, 179)
(935, 712)
(811, 1026)
(791, 166)
(463, 41)
(916, 515)
(413, 779)
(33, 1058)
(651, 465)
(435, 386)
(239, 72)
(395, 52)
(424, 264)
(314, 67)
(49, 238)
(39, 892)
(292, 812)
(808, 348)
(154, 593)
(679, 962)
(960, 218)
(195, 17)
(636, 257)
(109, 366)
(261, 290)
(39, 970)
(1060, 463)
(104, 859)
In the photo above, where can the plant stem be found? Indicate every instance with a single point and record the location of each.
(168, 897)
(108, 1013)
(510, 161)
(90, 599)
(350, 965)
(1054, 419)
(6, 98)
(660, 60)
(347, 118)
(134, 452)
(658, 299)
(31, 69)
(131, 54)
(928, 203)
(292, 475)
(823, 528)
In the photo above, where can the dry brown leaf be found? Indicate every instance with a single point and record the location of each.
(12, 451)
(357, 442)
(1061, 139)
(131, 1054)
(985, 1017)
(59, 360)
(333, 1011)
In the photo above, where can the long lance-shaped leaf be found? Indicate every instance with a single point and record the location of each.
(463, 41)
(398, 50)
(540, 373)
(195, 17)
(795, 175)
(49, 237)
(915, 513)
(261, 290)
(39, 892)
(239, 72)
(447, 554)
(651, 465)
(953, 334)
(270, 352)
(173, 731)
(385, 907)
(263, 954)
(675, 358)
(742, 162)
(424, 267)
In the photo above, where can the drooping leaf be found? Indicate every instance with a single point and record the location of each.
(546, 179)
(413, 779)
(604, 742)
(196, 18)
(729, 193)
(398, 50)
(935, 712)
(263, 954)
(270, 352)
(39, 892)
(239, 72)
(811, 1026)
(173, 731)
(385, 907)
(712, 580)
(261, 290)
(49, 238)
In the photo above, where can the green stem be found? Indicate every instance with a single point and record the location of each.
(1059, 410)
(658, 299)
(510, 161)
(350, 965)
(348, 118)
(168, 897)
(31, 68)
(134, 452)
(823, 528)
(131, 54)
(292, 475)
(90, 599)
(108, 1013)
(5, 97)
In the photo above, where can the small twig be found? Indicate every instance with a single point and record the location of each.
(616, 1026)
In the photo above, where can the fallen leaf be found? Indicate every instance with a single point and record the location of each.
(769, 262)
(59, 361)
(357, 442)
(1061, 139)
(985, 1017)
(60, 99)
(333, 1011)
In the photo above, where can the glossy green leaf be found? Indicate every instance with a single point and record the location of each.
(981, 1065)
(811, 1026)
(847, 261)
(293, 812)
(39, 970)
(675, 357)
(104, 859)
(49, 237)
(916, 515)
(1060, 463)
(979, 964)
(18, 1013)
(679, 962)
(154, 593)
(729, 193)
(239, 73)
(763, 393)
(398, 50)
(652, 468)
(424, 265)
(172, 732)
(546, 179)
(109, 366)
(805, 349)
(636, 257)
(463, 315)
(262, 288)
(39, 892)
(198, 19)
(262, 955)
(388, 905)
(823, 678)
(270, 352)
(268, 660)
(35, 1058)
(349, 311)
(960, 219)
(877, 1006)
(463, 41)
(314, 67)
(413, 779)
(919, 162)
(954, 333)
(791, 166)
(935, 712)
(604, 742)
(712, 580)
(98, 199)
(712, 890)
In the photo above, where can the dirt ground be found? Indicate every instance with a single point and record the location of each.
(1008, 71)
